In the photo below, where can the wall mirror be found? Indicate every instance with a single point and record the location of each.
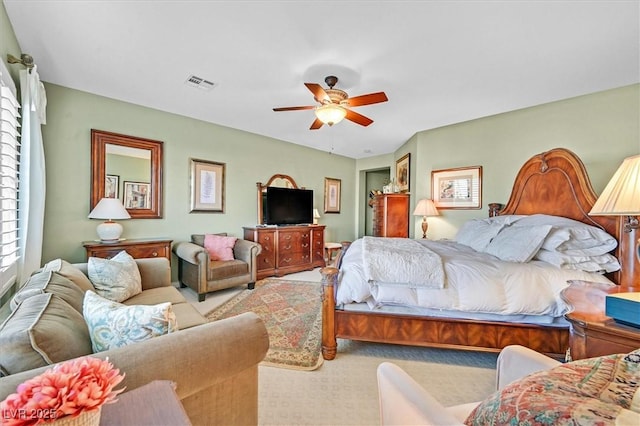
(280, 181)
(127, 168)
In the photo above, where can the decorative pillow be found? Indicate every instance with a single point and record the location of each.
(43, 330)
(219, 247)
(113, 325)
(591, 391)
(518, 243)
(478, 233)
(50, 282)
(69, 271)
(601, 264)
(117, 278)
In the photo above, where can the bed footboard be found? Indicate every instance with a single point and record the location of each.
(329, 342)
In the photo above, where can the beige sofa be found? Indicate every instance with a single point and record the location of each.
(215, 365)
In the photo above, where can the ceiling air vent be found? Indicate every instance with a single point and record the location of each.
(199, 83)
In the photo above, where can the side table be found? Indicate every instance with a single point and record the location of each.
(592, 333)
(137, 248)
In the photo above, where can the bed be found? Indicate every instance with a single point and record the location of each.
(553, 183)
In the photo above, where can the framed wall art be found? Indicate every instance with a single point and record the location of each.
(137, 195)
(111, 186)
(402, 173)
(459, 188)
(332, 195)
(207, 186)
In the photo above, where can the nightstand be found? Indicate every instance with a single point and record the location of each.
(592, 333)
(137, 248)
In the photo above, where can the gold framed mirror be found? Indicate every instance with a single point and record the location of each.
(279, 180)
(128, 168)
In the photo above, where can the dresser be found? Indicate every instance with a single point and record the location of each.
(592, 333)
(391, 215)
(287, 249)
(137, 248)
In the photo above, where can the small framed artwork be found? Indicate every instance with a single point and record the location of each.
(332, 195)
(207, 186)
(137, 195)
(111, 186)
(402, 173)
(459, 188)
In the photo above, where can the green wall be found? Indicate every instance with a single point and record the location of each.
(601, 128)
(249, 158)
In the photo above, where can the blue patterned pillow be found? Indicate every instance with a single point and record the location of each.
(113, 325)
(117, 278)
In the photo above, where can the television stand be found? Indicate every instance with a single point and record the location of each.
(287, 249)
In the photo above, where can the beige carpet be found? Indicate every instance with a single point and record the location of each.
(344, 391)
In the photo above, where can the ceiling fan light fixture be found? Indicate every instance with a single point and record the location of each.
(330, 114)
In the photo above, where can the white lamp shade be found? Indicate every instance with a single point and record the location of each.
(621, 196)
(110, 209)
(316, 214)
(425, 207)
(330, 113)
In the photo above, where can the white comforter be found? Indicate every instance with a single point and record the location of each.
(475, 282)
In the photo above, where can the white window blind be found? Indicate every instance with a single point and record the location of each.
(9, 160)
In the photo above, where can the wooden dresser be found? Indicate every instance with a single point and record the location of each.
(391, 215)
(137, 248)
(592, 333)
(287, 249)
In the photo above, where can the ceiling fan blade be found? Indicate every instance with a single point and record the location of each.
(358, 118)
(318, 92)
(296, 108)
(316, 124)
(371, 98)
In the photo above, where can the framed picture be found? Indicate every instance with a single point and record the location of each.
(459, 188)
(402, 173)
(332, 195)
(111, 186)
(137, 195)
(207, 186)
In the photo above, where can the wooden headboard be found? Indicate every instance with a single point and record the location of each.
(556, 182)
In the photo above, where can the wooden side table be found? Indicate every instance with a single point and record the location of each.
(137, 248)
(592, 333)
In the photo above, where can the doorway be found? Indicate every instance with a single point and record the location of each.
(374, 180)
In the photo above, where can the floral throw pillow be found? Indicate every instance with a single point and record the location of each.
(219, 247)
(117, 278)
(113, 325)
(596, 391)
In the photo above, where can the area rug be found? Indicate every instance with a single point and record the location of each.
(291, 311)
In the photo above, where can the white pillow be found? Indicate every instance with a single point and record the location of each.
(117, 278)
(600, 264)
(113, 325)
(478, 233)
(571, 236)
(518, 243)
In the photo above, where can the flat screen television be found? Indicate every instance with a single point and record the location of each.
(286, 206)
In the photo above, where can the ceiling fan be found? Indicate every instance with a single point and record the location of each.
(335, 103)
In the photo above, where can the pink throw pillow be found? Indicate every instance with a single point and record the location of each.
(219, 247)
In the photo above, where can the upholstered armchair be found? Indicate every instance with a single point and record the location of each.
(198, 271)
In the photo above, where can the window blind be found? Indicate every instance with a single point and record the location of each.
(9, 175)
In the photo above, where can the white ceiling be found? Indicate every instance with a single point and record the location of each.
(439, 62)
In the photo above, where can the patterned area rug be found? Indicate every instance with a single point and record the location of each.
(292, 313)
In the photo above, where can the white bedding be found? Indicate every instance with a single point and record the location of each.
(475, 282)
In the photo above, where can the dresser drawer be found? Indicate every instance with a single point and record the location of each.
(138, 249)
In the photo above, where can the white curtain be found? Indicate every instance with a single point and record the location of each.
(32, 173)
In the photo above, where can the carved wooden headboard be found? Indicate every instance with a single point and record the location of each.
(556, 182)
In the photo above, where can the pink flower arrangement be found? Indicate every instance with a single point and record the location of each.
(67, 389)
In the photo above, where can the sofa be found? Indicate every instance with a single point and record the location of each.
(204, 274)
(214, 365)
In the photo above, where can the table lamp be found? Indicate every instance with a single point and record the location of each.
(316, 216)
(110, 209)
(425, 208)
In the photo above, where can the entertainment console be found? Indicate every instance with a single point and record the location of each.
(287, 249)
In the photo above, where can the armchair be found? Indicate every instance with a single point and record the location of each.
(197, 271)
(404, 402)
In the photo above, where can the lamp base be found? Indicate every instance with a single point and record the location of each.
(425, 226)
(109, 231)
